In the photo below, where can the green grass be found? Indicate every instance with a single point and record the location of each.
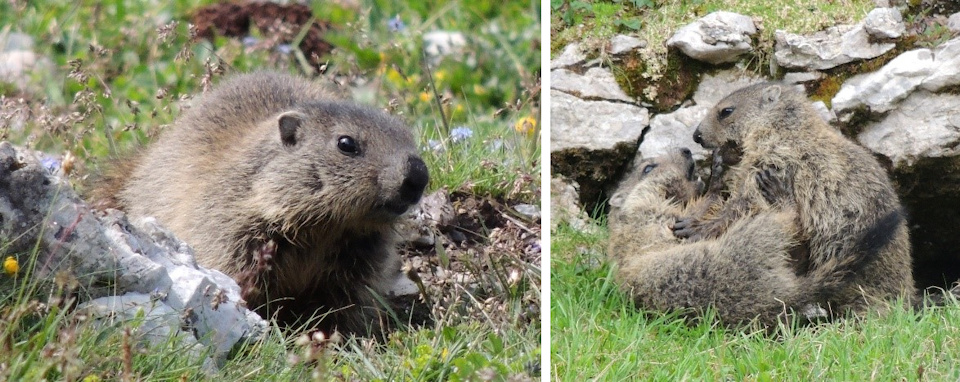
(596, 333)
(112, 84)
(594, 22)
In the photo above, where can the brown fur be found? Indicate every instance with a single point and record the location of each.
(848, 210)
(255, 178)
(745, 274)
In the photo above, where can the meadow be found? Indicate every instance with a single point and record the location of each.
(112, 74)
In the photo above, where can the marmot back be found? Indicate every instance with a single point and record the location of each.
(848, 210)
(290, 191)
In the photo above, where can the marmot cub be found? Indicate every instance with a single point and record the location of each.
(745, 274)
(292, 192)
(848, 210)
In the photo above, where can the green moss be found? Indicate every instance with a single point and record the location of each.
(679, 81)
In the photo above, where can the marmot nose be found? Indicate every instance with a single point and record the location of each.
(698, 137)
(415, 181)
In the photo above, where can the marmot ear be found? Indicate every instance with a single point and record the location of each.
(289, 122)
(769, 95)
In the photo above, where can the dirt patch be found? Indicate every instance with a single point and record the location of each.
(480, 267)
(280, 24)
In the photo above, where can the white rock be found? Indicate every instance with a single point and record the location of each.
(884, 23)
(801, 77)
(621, 44)
(565, 204)
(946, 62)
(159, 323)
(880, 91)
(570, 56)
(826, 49)
(925, 125)
(437, 44)
(15, 41)
(718, 37)
(593, 125)
(595, 84)
(953, 23)
(110, 255)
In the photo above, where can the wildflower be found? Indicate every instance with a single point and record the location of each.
(396, 24)
(496, 145)
(460, 133)
(11, 266)
(250, 41)
(435, 145)
(526, 125)
(50, 163)
(284, 48)
(479, 89)
(91, 378)
(440, 75)
(424, 96)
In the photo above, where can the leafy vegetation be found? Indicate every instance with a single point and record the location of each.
(114, 73)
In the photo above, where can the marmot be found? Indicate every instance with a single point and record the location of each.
(745, 274)
(287, 189)
(848, 210)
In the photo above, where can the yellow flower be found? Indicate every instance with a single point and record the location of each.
(479, 89)
(440, 75)
(91, 378)
(11, 266)
(424, 96)
(526, 125)
(394, 76)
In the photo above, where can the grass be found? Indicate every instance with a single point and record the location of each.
(117, 73)
(594, 22)
(597, 334)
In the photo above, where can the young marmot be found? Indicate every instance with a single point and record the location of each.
(745, 274)
(287, 189)
(848, 210)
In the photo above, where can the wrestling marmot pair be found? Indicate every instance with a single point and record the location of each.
(289, 190)
(811, 219)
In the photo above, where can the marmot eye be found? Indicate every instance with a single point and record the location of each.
(648, 168)
(725, 113)
(348, 145)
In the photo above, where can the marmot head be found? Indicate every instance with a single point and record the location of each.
(669, 176)
(767, 105)
(336, 163)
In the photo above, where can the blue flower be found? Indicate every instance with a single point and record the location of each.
(250, 41)
(50, 163)
(460, 133)
(284, 48)
(435, 145)
(395, 24)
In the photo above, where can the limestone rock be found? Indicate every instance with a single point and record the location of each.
(717, 38)
(591, 141)
(953, 23)
(595, 84)
(826, 49)
(593, 125)
(565, 204)
(109, 255)
(884, 23)
(437, 44)
(621, 44)
(570, 56)
(925, 125)
(880, 91)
